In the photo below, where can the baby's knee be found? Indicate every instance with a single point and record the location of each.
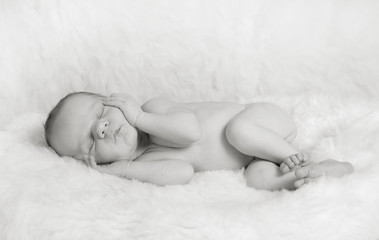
(239, 132)
(260, 174)
(233, 130)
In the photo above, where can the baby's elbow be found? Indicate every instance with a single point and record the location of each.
(182, 175)
(187, 174)
(195, 135)
(194, 131)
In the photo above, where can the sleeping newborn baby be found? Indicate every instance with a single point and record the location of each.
(164, 142)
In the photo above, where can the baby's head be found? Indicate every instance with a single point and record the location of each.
(81, 125)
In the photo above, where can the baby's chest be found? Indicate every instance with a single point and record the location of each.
(164, 153)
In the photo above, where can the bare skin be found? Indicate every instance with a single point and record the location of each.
(330, 168)
(167, 142)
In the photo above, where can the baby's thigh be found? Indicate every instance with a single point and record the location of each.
(271, 117)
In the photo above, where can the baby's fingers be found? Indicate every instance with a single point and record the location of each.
(113, 103)
(89, 160)
(92, 161)
(122, 97)
(119, 100)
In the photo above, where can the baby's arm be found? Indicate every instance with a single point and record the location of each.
(176, 126)
(160, 172)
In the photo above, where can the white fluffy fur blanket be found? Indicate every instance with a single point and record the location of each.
(316, 59)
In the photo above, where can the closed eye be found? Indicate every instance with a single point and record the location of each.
(92, 145)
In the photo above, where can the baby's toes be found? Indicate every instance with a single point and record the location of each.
(302, 157)
(284, 168)
(296, 158)
(289, 162)
(301, 182)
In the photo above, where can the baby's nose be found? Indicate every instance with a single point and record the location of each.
(101, 129)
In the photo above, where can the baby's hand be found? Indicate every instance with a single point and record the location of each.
(128, 106)
(293, 162)
(89, 160)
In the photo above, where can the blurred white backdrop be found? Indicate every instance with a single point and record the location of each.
(186, 50)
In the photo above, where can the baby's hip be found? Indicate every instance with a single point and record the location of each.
(262, 112)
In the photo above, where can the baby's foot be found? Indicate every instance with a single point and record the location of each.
(293, 162)
(328, 167)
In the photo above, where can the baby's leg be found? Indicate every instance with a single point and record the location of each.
(329, 168)
(265, 131)
(262, 174)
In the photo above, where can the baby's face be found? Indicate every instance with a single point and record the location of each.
(86, 126)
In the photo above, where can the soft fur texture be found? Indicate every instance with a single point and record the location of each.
(317, 59)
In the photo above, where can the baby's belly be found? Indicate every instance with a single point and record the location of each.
(208, 155)
(221, 163)
(222, 157)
